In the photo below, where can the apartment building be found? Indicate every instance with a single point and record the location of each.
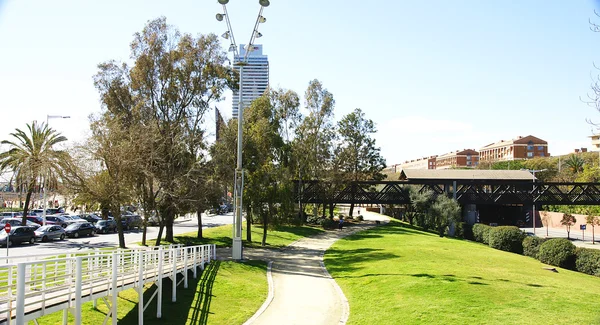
(468, 158)
(516, 149)
(420, 163)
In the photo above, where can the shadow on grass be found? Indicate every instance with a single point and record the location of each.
(192, 306)
(349, 260)
(445, 277)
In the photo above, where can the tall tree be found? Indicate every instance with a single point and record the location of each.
(568, 220)
(174, 80)
(34, 160)
(313, 144)
(360, 158)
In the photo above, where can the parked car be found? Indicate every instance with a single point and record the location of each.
(93, 218)
(36, 219)
(16, 222)
(50, 232)
(106, 226)
(74, 218)
(131, 221)
(18, 235)
(56, 220)
(10, 214)
(79, 229)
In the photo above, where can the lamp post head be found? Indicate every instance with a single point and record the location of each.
(223, 2)
(219, 17)
(264, 3)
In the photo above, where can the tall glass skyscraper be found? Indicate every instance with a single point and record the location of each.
(255, 78)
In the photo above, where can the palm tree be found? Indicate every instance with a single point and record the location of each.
(575, 163)
(33, 160)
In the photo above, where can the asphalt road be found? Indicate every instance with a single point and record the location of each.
(578, 238)
(112, 240)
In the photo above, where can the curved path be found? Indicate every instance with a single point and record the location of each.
(302, 290)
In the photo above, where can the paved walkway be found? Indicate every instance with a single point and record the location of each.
(302, 290)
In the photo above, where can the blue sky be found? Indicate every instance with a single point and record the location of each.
(435, 76)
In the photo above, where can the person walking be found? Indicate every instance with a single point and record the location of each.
(341, 224)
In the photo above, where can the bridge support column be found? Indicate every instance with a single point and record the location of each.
(161, 256)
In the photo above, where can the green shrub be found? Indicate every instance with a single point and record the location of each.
(558, 252)
(481, 233)
(358, 218)
(588, 261)
(464, 231)
(328, 223)
(313, 220)
(507, 238)
(531, 246)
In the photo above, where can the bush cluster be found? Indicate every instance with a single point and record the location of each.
(464, 230)
(558, 252)
(358, 218)
(313, 220)
(531, 246)
(506, 238)
(588, 261)
(328, 223)
(481, 233)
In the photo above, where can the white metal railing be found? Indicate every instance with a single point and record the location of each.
(31, 289)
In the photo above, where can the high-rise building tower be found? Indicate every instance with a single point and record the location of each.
(255, 77)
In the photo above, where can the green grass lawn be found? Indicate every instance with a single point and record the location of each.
(397, 275)
(225, 293)
(221, 236)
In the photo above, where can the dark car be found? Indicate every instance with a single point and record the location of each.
(106, 226)
(56, 220)
(131, 221)
(93, 218)
(49, 232)
(18, 235)
(80, 229)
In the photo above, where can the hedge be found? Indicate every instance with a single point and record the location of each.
(588, 261)
(558, 252)
(481, 233)
(531, 246)
(507, 238)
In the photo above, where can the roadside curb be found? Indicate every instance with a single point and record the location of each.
(269, 299)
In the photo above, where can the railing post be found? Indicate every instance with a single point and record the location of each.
(160, 277)
(185, 267)
(202, 253)
(140, 287)
(195, 257)
(115, 270)
(95, 267)
(78, 288)
(174, 260)
(214, 251)
(20, 293)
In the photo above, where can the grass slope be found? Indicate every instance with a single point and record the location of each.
(225, 293)
(397, 275)
(221, 236)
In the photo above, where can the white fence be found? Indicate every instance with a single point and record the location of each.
(32, 288)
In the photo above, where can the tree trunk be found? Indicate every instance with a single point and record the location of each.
(331, 206)
(169, 227)
(144, 233)
(160, 232)
(265, 222)
(199, 214)
(26, 207)
(119, 227)
(351, 213)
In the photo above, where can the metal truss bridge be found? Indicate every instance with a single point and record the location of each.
(464, 191)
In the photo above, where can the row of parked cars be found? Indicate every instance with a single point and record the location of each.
(59, 226)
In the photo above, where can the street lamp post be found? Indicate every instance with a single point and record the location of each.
(239, 173)
(533, 171)
(48, 117)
